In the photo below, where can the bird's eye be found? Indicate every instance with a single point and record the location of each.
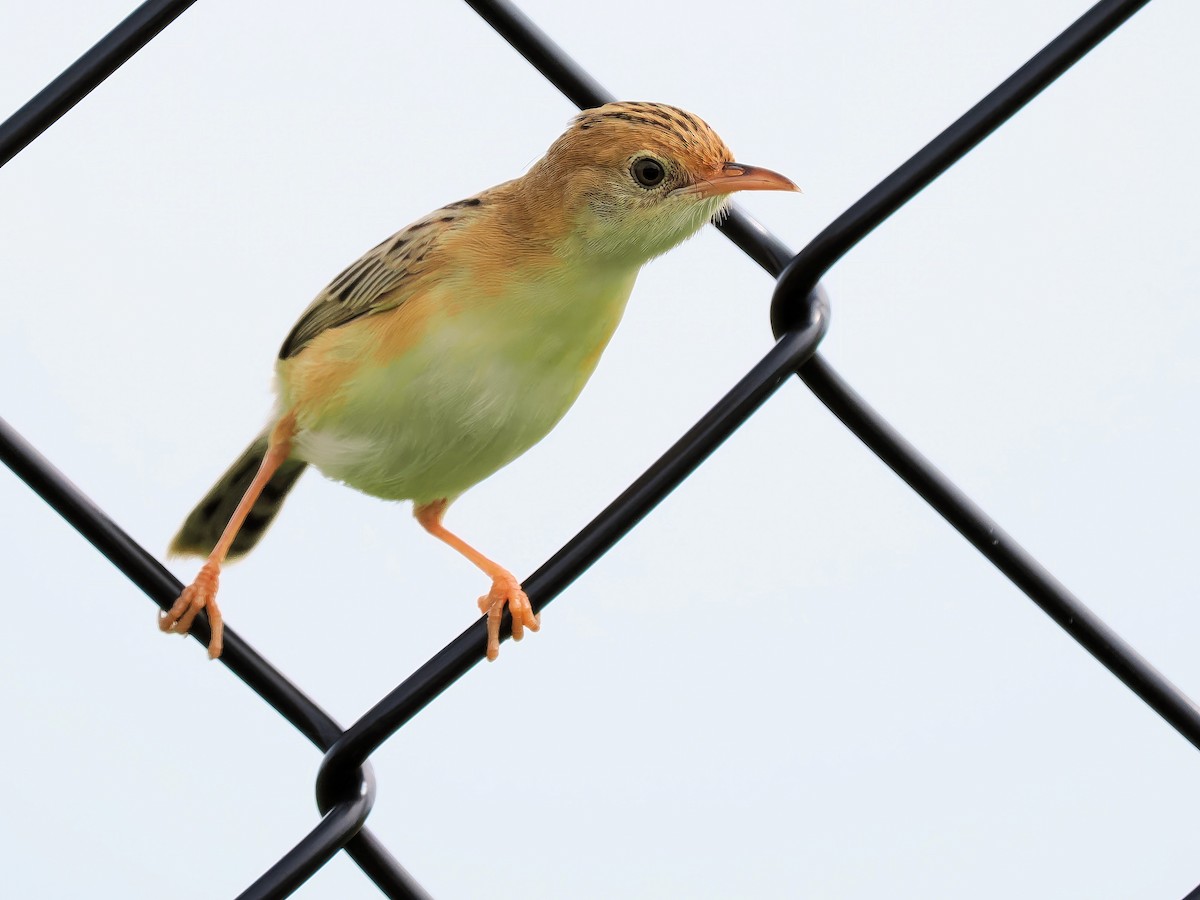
(648, 172)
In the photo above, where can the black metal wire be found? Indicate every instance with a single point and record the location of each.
(807, 266)
(346, 811)
(799, 274)
(811, 263)
(302, 862)
(81, 77)
(152, 578)
(1005, 553)
(345, 814)
(542, 53)
(800, 317)
(585, 91)
(361, 739)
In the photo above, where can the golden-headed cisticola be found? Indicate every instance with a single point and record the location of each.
(458, 343)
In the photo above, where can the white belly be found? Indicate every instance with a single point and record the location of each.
(482, 388)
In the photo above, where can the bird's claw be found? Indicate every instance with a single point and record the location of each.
(506, 591)
(201, 594)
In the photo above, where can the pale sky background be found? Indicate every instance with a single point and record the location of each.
(793, 679)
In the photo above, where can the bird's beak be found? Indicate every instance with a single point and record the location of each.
(731, 177)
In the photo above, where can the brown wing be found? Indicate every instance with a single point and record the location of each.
(382, 279)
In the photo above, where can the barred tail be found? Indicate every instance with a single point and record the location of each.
(202, 529)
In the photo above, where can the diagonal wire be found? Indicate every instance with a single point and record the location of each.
(596, 539)
(841, 235)
(407, 699)
(343, 815)
(799, 316)
(345, 812)
(798, 275)
(82, 76)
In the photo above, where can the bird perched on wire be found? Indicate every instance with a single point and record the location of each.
(458, 343)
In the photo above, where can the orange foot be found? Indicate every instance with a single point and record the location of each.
(507, 590)
(201, 594)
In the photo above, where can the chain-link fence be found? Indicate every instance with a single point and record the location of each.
(799, 317)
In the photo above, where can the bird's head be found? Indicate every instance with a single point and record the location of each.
(635, 179)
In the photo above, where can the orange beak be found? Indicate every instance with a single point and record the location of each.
(732, 177)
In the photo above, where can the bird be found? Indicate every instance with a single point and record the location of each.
(459, 342)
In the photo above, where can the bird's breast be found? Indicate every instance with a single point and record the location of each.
(424, 402)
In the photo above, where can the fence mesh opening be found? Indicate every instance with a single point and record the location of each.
(800, 319)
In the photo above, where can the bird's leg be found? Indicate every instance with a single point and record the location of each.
(201, 594)
(505, 588)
